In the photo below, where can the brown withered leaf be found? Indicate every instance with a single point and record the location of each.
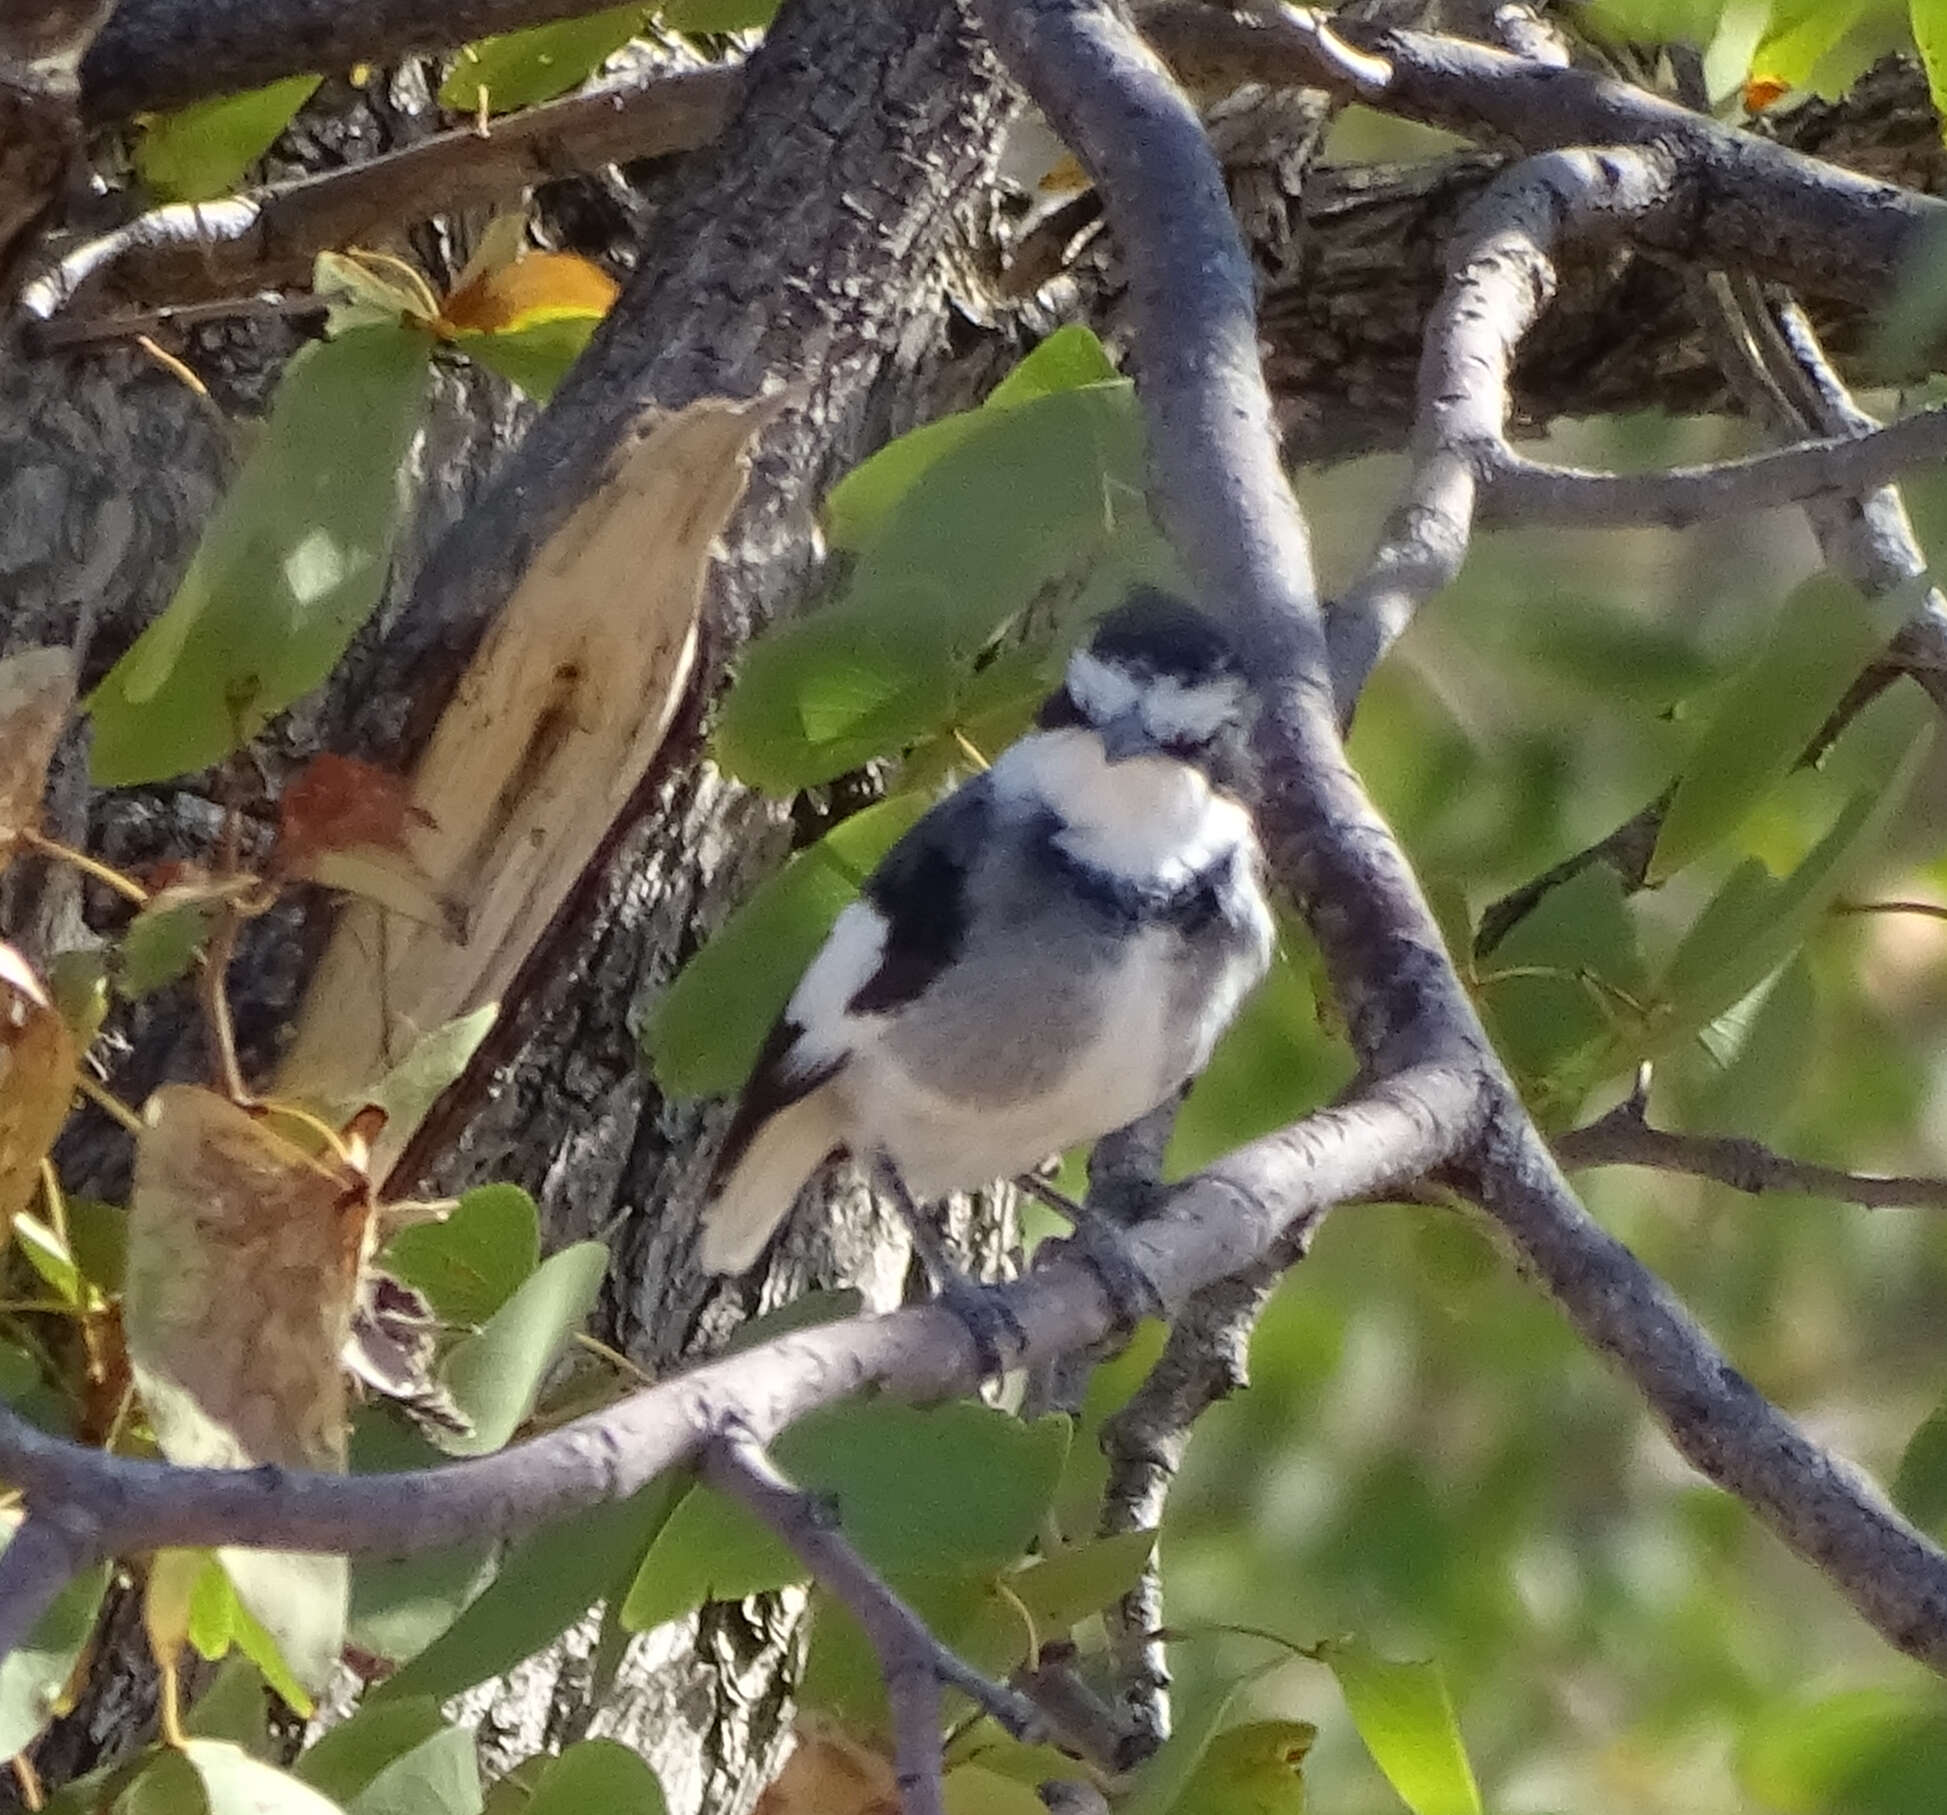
(38, 1061)
(244, 1258)
(830, 1772)
(36, 696)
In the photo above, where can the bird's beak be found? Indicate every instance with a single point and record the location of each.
(1126, 735)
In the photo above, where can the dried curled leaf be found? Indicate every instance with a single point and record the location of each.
(36, 696)
(38, 1060)
(244, 1257)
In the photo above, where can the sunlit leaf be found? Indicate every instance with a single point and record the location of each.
(1406, 1718)
(716, 15)
(519, 68)
(705, 1034)
(1823, 636)
(234, 1783)
(289, 568)
(474, 1260)
(1256, 1768)
(202, 150)
(888, 660)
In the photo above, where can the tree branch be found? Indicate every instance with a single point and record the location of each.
(188, 251)
(1624, 1138)
(156, 54)
(1500, 277)
(1756, 204)
(1212, 1226)
(914, 1664)
(1222, 498)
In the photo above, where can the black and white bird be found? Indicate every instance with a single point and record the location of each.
(1048, 954)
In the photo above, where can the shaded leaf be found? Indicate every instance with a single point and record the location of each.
(289, 568)
(472, 1262)
(597, 1777)
(960, 1487)
(717, 15)
(1920, 1485)
(345, 1758)
(439, 1776)
(1406, 1718)
(33, 1674)
(495, 1375)
(164, 940)
(202, 150)
(546, 1582)
(704, 1036)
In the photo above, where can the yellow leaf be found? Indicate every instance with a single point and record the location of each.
(542, 286)
(36, 695)
(37, 1070)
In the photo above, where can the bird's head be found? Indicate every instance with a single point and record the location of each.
(1158, 679)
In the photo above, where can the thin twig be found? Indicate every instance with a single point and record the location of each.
(915, 1665)
(1624, 1138)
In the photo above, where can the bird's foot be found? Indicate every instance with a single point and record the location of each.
(1103, 1245)
(983, 1311)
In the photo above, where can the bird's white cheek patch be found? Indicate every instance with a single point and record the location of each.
(845, 962)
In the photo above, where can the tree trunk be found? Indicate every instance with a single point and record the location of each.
(750, 275)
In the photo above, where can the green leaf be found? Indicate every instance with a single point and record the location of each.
(546, 1582)
(960, 1487)
(1255, 1768)
(1078, 1498)
(348, 1756)
(470, 1264)
(304, 1595)
(1823, 636)
(48, 1255)
(202, 150)
(975, 1790)
(1567, 976)
(857, 507)
(98, 1236)
(1406, 1718)
(1861, 1752)
(888, 661)
(1045, 1598)
(1757, 921)
(842, 1674)
(704, 1036)
(161, 945)
(234, 1783)
(289, 568)
(439, 1776)
(33, 1675)
(233, 1707)
(495, 1375)
(520, 68)
(717, 15)
(401, 1605)
(1800, 36)
(597, 1777)
(1929, 18)
(1920, 1485)
(1745, 1070)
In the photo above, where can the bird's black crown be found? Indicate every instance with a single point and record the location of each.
(1152, 633)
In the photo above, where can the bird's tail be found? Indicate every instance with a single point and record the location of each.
(758, 1191)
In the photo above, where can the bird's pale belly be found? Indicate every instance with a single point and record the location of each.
(1132, 1060)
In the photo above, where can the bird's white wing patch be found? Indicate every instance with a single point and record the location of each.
(848, 958)
(1100, 688)
(1172, 710)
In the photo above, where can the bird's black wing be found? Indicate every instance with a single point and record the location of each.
(920, 891)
